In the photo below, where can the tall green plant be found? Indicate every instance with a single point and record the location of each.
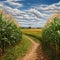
(10, 34)
(51, 37)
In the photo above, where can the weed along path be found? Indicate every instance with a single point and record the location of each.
(34, 52)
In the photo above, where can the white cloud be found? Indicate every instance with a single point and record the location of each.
(34, 17)
(36, 13)
(15, 4)
(28, 17)
(54, 8)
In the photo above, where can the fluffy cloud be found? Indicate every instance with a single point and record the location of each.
(54, 8)
(15, 4)
(35, 17)
(36, 13)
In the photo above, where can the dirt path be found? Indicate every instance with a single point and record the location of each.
(33, 53)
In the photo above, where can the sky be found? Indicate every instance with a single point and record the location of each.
(32, 13)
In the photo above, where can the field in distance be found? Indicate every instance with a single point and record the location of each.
(35, 33)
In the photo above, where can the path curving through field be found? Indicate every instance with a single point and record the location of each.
(34, 52)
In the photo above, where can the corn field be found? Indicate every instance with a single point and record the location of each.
(51, 38)
(10, 34)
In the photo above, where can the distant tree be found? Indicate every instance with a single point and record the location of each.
(29, 27)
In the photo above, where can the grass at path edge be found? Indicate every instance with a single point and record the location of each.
(18, 51)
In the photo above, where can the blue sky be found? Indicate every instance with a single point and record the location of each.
(32, 13)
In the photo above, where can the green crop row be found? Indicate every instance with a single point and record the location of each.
(10, 33)
(51, 38)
